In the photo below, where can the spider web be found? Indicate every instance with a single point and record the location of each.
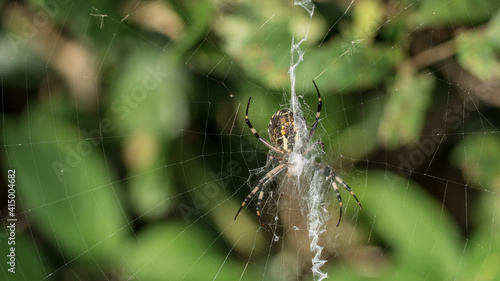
(124, 124)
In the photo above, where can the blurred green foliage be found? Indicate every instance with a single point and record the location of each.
(125, 124)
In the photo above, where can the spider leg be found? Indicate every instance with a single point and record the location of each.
(263, 182)
(337, 193)
(265, 142)
(259, 202)
(347, 187)
(332, 177)
(249, 196)
(318, 112)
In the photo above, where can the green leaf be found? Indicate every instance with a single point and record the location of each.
(68, 193)
(178, 252)
(151, 193)
(478, 56)
(430, 13)
(492, 31)
(413, 225)
(149, 95)
(478, 157)
(259, 41)
(405, 111)
(367, 16)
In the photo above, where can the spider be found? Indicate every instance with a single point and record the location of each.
(283, 135)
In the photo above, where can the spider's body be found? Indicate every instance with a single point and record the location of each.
(282, 131)
(283, 135)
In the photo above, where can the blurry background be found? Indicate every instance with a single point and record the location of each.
(125, 124)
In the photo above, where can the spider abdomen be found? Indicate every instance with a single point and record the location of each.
(282, 130)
